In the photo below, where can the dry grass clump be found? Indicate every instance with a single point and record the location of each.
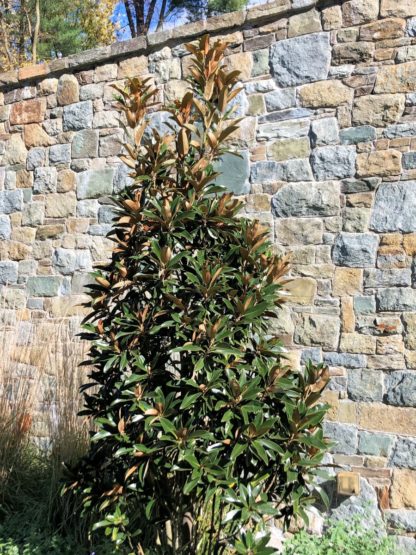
(39, 401)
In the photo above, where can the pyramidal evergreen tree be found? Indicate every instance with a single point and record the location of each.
(203, 432)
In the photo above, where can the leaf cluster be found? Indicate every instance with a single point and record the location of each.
(204, 432)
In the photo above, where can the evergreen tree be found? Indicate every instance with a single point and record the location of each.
(203, 432)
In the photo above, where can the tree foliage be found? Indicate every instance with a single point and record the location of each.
(203, 431)
(33, 30)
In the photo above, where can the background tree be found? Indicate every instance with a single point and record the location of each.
(145, 15)
(33, 30)
(198, 417)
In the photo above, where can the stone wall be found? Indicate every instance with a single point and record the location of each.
(328, 162)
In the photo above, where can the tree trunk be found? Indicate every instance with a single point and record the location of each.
(130, 18)
(36, 33)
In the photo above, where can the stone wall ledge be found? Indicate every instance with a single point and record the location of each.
(141, 45)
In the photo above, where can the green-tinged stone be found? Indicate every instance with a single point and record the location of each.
(44, 286)
(355, 135)
(370, 443)
(260, 62)
(95, 183)
(235, 172)
(256, 105)
(287, 149)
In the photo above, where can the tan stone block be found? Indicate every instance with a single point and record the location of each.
(382, 163)
(391, 345)
(410, 357)
(381, 55)
(347, 412)
(35, 135)
(398, 8)
(24, 235)
(409, 334)
(49, 231)
(287, 149)
(243, 62)
(30, 72)
(60, 205)
(24, 179)
(391, 239)
(375, 462)
(258, 203)
(347, 281)
(28, 111)
(132, 67)
(318, 329)
(294, 231)
(175, 89)
(256, 105)
(66, 181)
(357, 343)
(392, 28)
(382, 362)
(403, 489)
(360, 200)
(304, 23)
(258, 153)
(332, 18)
(48, 86)
(77, 225)
(245, 134)
(332, 398)
(301, 291)
(64, 307)
(409, 244)
(396, 78)
(385, 418)
(268, 9)
(378, 110)
(325, 94)
(19, 251)
(347, 315)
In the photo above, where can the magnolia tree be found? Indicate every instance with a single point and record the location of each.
(204, 434)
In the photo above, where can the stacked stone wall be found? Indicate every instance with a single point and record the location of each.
(328, 146)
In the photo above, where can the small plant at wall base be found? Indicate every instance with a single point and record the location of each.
(204, 432)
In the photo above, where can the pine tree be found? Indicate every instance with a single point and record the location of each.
(199, 419)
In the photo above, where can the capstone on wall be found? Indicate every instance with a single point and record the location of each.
(328, 162)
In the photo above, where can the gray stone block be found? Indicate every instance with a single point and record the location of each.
(87, 208)
(395, 207)
(45, 180)
(403, 519)
(85, 144)
(106, 213)
(401, 389)
(333, 162)
(352, 185)
(290, 114)
(301, 59)
(404, 453)
(301, 199)
(355, 250)
(378, 445)
(280, 99)
(409, 160)
(121, 178)
(8, 272)
(67, 261)
(397, 299)
(324, 132)
(78, 116)
(95, 183)
(355, 135)
(5, 227)
(375, 278)
(345, 359)
(344, 436)
(11, 201)
(235, 172)
(60, 154)
(365, 385)
(400, 130)
(36, 158)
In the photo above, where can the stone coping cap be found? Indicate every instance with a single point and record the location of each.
(139, 45)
